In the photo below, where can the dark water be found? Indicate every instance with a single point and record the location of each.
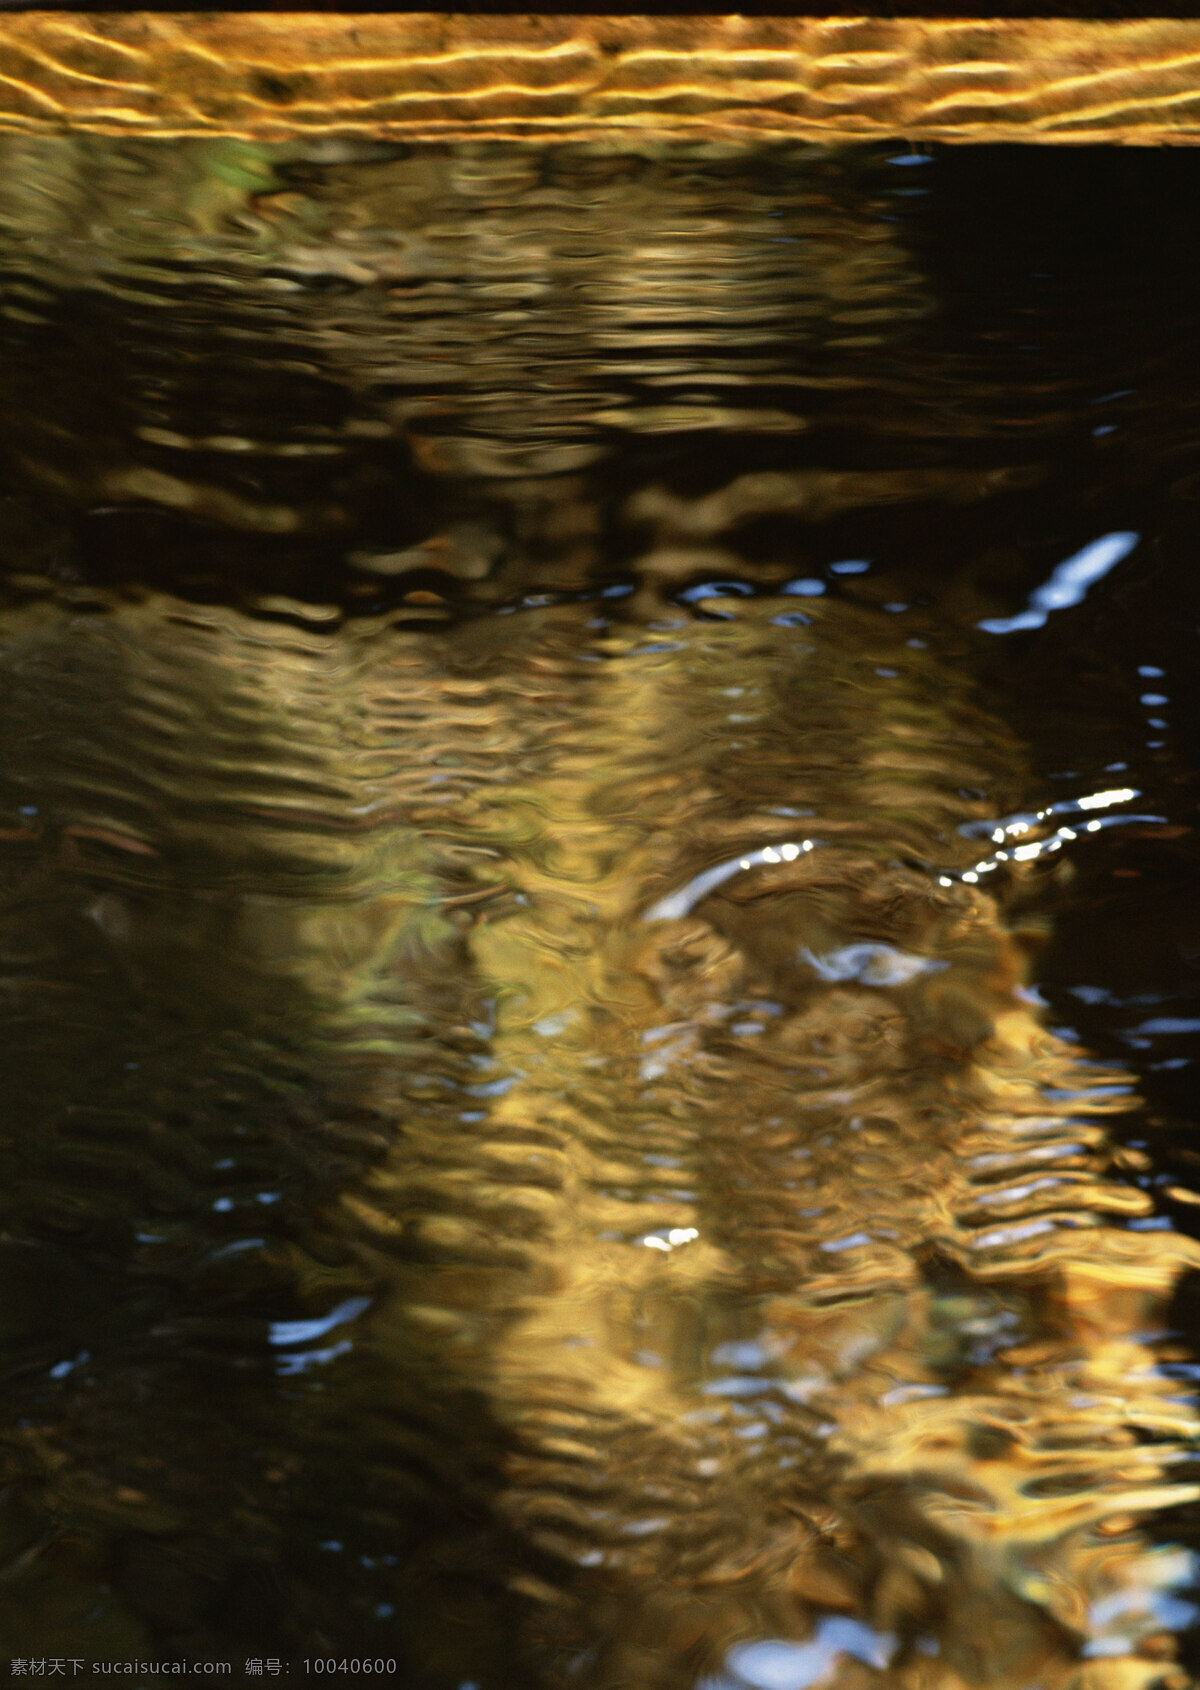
(599, 925)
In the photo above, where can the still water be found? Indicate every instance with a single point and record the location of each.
(599, 928)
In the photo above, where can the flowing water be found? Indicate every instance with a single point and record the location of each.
(599, 931)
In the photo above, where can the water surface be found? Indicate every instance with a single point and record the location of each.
(598, 916)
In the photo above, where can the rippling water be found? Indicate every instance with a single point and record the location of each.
(598, 913)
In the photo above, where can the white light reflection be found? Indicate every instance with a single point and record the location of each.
(1099, 800)
(683, 902)
(670, 1240)
(304, 1331)
(1013, 827)
(1000, 832)
(1068, 584)
(871, 964)
(1121, 1621)
(773, 1664)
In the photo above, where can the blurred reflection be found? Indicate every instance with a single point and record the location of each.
(529, 1150)
(1068, 584)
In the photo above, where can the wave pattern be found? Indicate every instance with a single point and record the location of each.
(432, 76)
(359, 1089)
(525, 1152)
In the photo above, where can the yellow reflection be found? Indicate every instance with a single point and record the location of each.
(771, 1239)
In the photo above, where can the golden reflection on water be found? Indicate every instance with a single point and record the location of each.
(755, 1295)
(430, 1148)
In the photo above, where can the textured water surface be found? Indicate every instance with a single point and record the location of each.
(597, 914)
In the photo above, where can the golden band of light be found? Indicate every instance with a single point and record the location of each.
(439, 76)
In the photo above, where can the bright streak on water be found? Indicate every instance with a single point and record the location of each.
(304, 1331)
(1009, 827)
(684, 901)
(1068, 584)
(1100, 800)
